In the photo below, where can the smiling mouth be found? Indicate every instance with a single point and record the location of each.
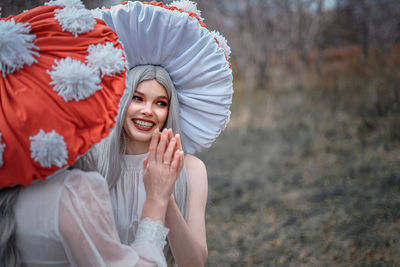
(143, 125)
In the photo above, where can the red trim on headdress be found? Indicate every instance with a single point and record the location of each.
(172, 8)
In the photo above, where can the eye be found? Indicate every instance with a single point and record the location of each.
(162, 103)
(137, 98)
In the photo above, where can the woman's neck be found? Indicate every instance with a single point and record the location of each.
(136, 148)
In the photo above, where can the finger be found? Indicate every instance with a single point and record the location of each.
(177, 162)
(162, 145)
(145, 161)
(170, 134)
(169, 153)
(182, 160)
(153, 144)
(178, 141)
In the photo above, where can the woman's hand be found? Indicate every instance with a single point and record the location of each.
(160, 171)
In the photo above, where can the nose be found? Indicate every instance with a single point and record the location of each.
(147, 109)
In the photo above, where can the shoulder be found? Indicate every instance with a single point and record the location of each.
(85, 217)
(194, 162)
(196, 170)
(84, 196)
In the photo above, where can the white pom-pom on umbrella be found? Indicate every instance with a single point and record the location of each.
(2, 146)
(223, 44)
(66, 3)
(49, 149)
(75, 20)
(188, 6)
(74, 80)
(16, 46)
(108, 59)
(96, 13)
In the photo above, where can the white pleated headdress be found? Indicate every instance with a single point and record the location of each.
(175, 37)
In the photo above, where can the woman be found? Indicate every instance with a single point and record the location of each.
(154, 106)
(177, 64)
(51, 114)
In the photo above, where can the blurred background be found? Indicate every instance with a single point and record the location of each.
(307, 173)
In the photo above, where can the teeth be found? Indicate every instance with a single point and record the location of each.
(143, 124)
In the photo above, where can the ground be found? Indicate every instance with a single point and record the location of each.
(299, 178)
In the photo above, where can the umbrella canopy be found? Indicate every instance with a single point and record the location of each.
(63, 73)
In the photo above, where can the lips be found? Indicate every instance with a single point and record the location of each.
(143, 125)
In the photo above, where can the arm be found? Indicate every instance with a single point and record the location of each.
(188, 239)
(160, 171)
(87, 227)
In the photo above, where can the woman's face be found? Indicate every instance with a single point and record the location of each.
(147, 111)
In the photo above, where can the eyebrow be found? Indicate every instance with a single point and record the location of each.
(161, 96)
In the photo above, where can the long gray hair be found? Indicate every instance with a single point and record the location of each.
(110, 151)
(9, 254)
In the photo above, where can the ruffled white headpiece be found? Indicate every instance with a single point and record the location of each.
(175, 37)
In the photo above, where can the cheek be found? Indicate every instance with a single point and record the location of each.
(129, 112)
(126, 123)
(131, 109)
(162, 115)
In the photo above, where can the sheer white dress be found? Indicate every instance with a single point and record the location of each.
(67, 220)
(128, 196)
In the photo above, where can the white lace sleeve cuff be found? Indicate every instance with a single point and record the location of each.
(153, 231)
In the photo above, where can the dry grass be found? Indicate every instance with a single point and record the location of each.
(309, 175)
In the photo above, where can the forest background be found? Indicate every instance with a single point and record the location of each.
(307, 173)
